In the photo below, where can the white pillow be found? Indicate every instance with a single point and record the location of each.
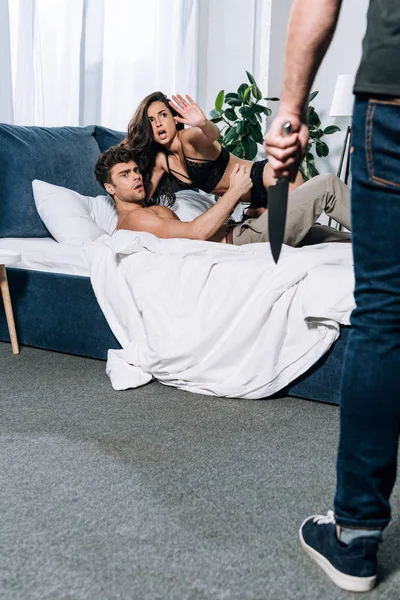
(73, 218)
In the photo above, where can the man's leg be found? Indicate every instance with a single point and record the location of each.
(305, 205)
(321, 234)
(307, 202)
(370, 406)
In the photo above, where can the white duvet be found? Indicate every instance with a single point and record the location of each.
(217, 319)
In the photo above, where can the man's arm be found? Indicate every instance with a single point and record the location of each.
(201, 228)
(312, 24)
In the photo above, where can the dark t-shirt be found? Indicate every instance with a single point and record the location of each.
(379, 70)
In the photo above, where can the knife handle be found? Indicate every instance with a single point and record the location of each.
(286, 128)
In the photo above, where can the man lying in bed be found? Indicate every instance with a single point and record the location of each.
(118, 173)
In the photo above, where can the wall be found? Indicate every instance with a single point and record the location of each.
(279, 19)
(343, 56)
(232, 38)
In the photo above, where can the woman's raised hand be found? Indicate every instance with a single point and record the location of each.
(191, 114)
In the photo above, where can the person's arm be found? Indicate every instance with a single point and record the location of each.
(204, 226)
(159, 169)
(192, 115)
(312, 24)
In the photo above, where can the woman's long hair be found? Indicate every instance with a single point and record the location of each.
(144, 148)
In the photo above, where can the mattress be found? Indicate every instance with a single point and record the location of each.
(45, 254)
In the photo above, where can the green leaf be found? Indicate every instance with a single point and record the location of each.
(219, 101)
(321, 149)
(312, 96)
(233, 99)
(250, 148)
(230, 114)
(304, 171)
(214, 114)
(256, 133)
(313, 169)
(257, 92)
(313, 119)
(259, 108)
(229, 147)
(268, 111)
(331, 129)
(247, 113)
(251, 78)
(242, 127)
(246, 95)
(241, 90)
(230, 136)
(216, 120)
(273, 99)
(237, 150)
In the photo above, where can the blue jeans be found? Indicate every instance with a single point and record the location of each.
(370, 394)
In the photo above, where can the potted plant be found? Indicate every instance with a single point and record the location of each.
(241, 113)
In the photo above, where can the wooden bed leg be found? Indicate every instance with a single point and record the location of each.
(5, 292)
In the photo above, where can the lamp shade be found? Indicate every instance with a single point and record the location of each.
(342, 102)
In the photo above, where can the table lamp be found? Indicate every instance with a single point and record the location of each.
(342, 106)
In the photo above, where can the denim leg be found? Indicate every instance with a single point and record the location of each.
(370, 394)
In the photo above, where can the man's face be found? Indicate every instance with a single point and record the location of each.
(127, 183)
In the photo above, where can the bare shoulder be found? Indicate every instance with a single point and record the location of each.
(163, 212)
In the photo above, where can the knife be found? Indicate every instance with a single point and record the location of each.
(277, 207)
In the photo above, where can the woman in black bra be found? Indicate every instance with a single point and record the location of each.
(172, 157)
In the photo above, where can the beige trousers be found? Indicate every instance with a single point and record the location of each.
(325, 193)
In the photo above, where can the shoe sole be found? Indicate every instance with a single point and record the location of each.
(350, 583)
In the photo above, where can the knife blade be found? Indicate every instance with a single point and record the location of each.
(277, 207)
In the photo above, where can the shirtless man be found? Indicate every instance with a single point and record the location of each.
(118, 173)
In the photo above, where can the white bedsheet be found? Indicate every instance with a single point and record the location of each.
(45, 254)
(216, 319)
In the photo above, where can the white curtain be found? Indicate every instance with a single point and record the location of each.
(80, 62)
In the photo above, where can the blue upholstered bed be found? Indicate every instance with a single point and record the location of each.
(60, 312)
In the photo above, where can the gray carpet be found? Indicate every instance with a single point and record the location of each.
(160, 494)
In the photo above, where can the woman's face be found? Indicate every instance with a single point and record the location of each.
(162, 123)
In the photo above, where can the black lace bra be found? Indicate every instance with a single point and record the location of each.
(203, 173)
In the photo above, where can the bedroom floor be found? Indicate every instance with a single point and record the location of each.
(156, 493)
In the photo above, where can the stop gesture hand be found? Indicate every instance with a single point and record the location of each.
(191, 114)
